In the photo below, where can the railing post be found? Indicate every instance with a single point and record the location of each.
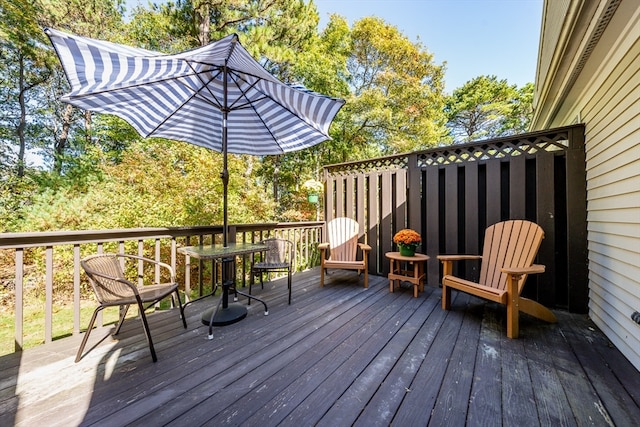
(76, 289)
(48, 307)
(19, 310)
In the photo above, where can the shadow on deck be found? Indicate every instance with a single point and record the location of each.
(339, 355)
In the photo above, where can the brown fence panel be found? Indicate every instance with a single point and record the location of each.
(451, 194)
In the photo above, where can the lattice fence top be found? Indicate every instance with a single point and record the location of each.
(372, 165)
(556, 141)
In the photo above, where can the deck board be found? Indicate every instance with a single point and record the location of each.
(338, 355)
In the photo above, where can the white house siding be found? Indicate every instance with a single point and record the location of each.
(606, 98)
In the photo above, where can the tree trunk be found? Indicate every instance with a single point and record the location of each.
(61, 143)
(276, 172)
(203, 21)
(23, 120)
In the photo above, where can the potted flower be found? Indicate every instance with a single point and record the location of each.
(407, 241)
(313, 188)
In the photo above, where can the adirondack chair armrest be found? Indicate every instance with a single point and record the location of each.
(458, 257)
(364, 247)
(534, 269)
(324, 248)
(447, 262)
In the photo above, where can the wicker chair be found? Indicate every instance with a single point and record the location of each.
(277, 259)
(111, 288)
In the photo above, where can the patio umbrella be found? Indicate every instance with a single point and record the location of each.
(217, 96)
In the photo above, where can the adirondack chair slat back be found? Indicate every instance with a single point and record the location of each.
(343, 239)
(509, 244)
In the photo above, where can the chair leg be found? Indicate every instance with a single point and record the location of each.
(251, 279)
(123, 314)
(535, 309)
(513, 309)
(322, 275)
(184, 321)
(87, 333)
(289, 284)
(147, 332)
(513, 317)
(446, 297)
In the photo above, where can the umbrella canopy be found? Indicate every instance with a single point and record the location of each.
(216, 96)
(183, 96)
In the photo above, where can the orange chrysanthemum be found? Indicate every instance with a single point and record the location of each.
(407, 237)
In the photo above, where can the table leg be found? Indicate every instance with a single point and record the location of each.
(224, 314)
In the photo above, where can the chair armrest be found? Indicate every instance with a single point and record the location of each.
(364, 247)
(534, 269)
(124, 281)
(152, 261)
(323, 246)
(447, 262)
(458, 257)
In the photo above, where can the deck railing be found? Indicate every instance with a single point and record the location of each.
(48, 265)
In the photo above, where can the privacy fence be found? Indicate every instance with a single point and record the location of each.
(451, 194)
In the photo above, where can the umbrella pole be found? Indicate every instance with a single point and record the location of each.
(225, 314)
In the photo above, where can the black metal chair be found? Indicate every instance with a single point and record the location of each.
(111, 287)
(277, 259)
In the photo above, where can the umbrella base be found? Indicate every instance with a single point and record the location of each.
(225, 316)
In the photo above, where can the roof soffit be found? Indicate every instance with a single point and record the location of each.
(584, 23)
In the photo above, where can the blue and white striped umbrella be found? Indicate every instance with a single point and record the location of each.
(187, 96)
(216, 96)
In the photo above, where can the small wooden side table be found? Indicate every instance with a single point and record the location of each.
(415, 276)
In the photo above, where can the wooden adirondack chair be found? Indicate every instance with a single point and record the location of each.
(343, 247)
(510, 248)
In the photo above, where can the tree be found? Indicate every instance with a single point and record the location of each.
(394, 100)
(91, 18)
(396, 103)
(25, 68)
(486, 107)
(156, 183)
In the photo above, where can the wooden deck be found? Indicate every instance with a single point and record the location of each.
(339, 355)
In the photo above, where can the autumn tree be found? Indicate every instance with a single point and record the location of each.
(396, 101)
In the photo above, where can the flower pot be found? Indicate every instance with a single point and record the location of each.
(312, 198)
(407, 250)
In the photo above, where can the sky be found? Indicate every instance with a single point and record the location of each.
(473, 37)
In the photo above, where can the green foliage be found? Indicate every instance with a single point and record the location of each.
(486, 107)
(155, 183)
(396, 98)
(104, 176)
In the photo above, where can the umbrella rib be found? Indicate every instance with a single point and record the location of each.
(251, 104)
(142, 84)
(195, 94)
